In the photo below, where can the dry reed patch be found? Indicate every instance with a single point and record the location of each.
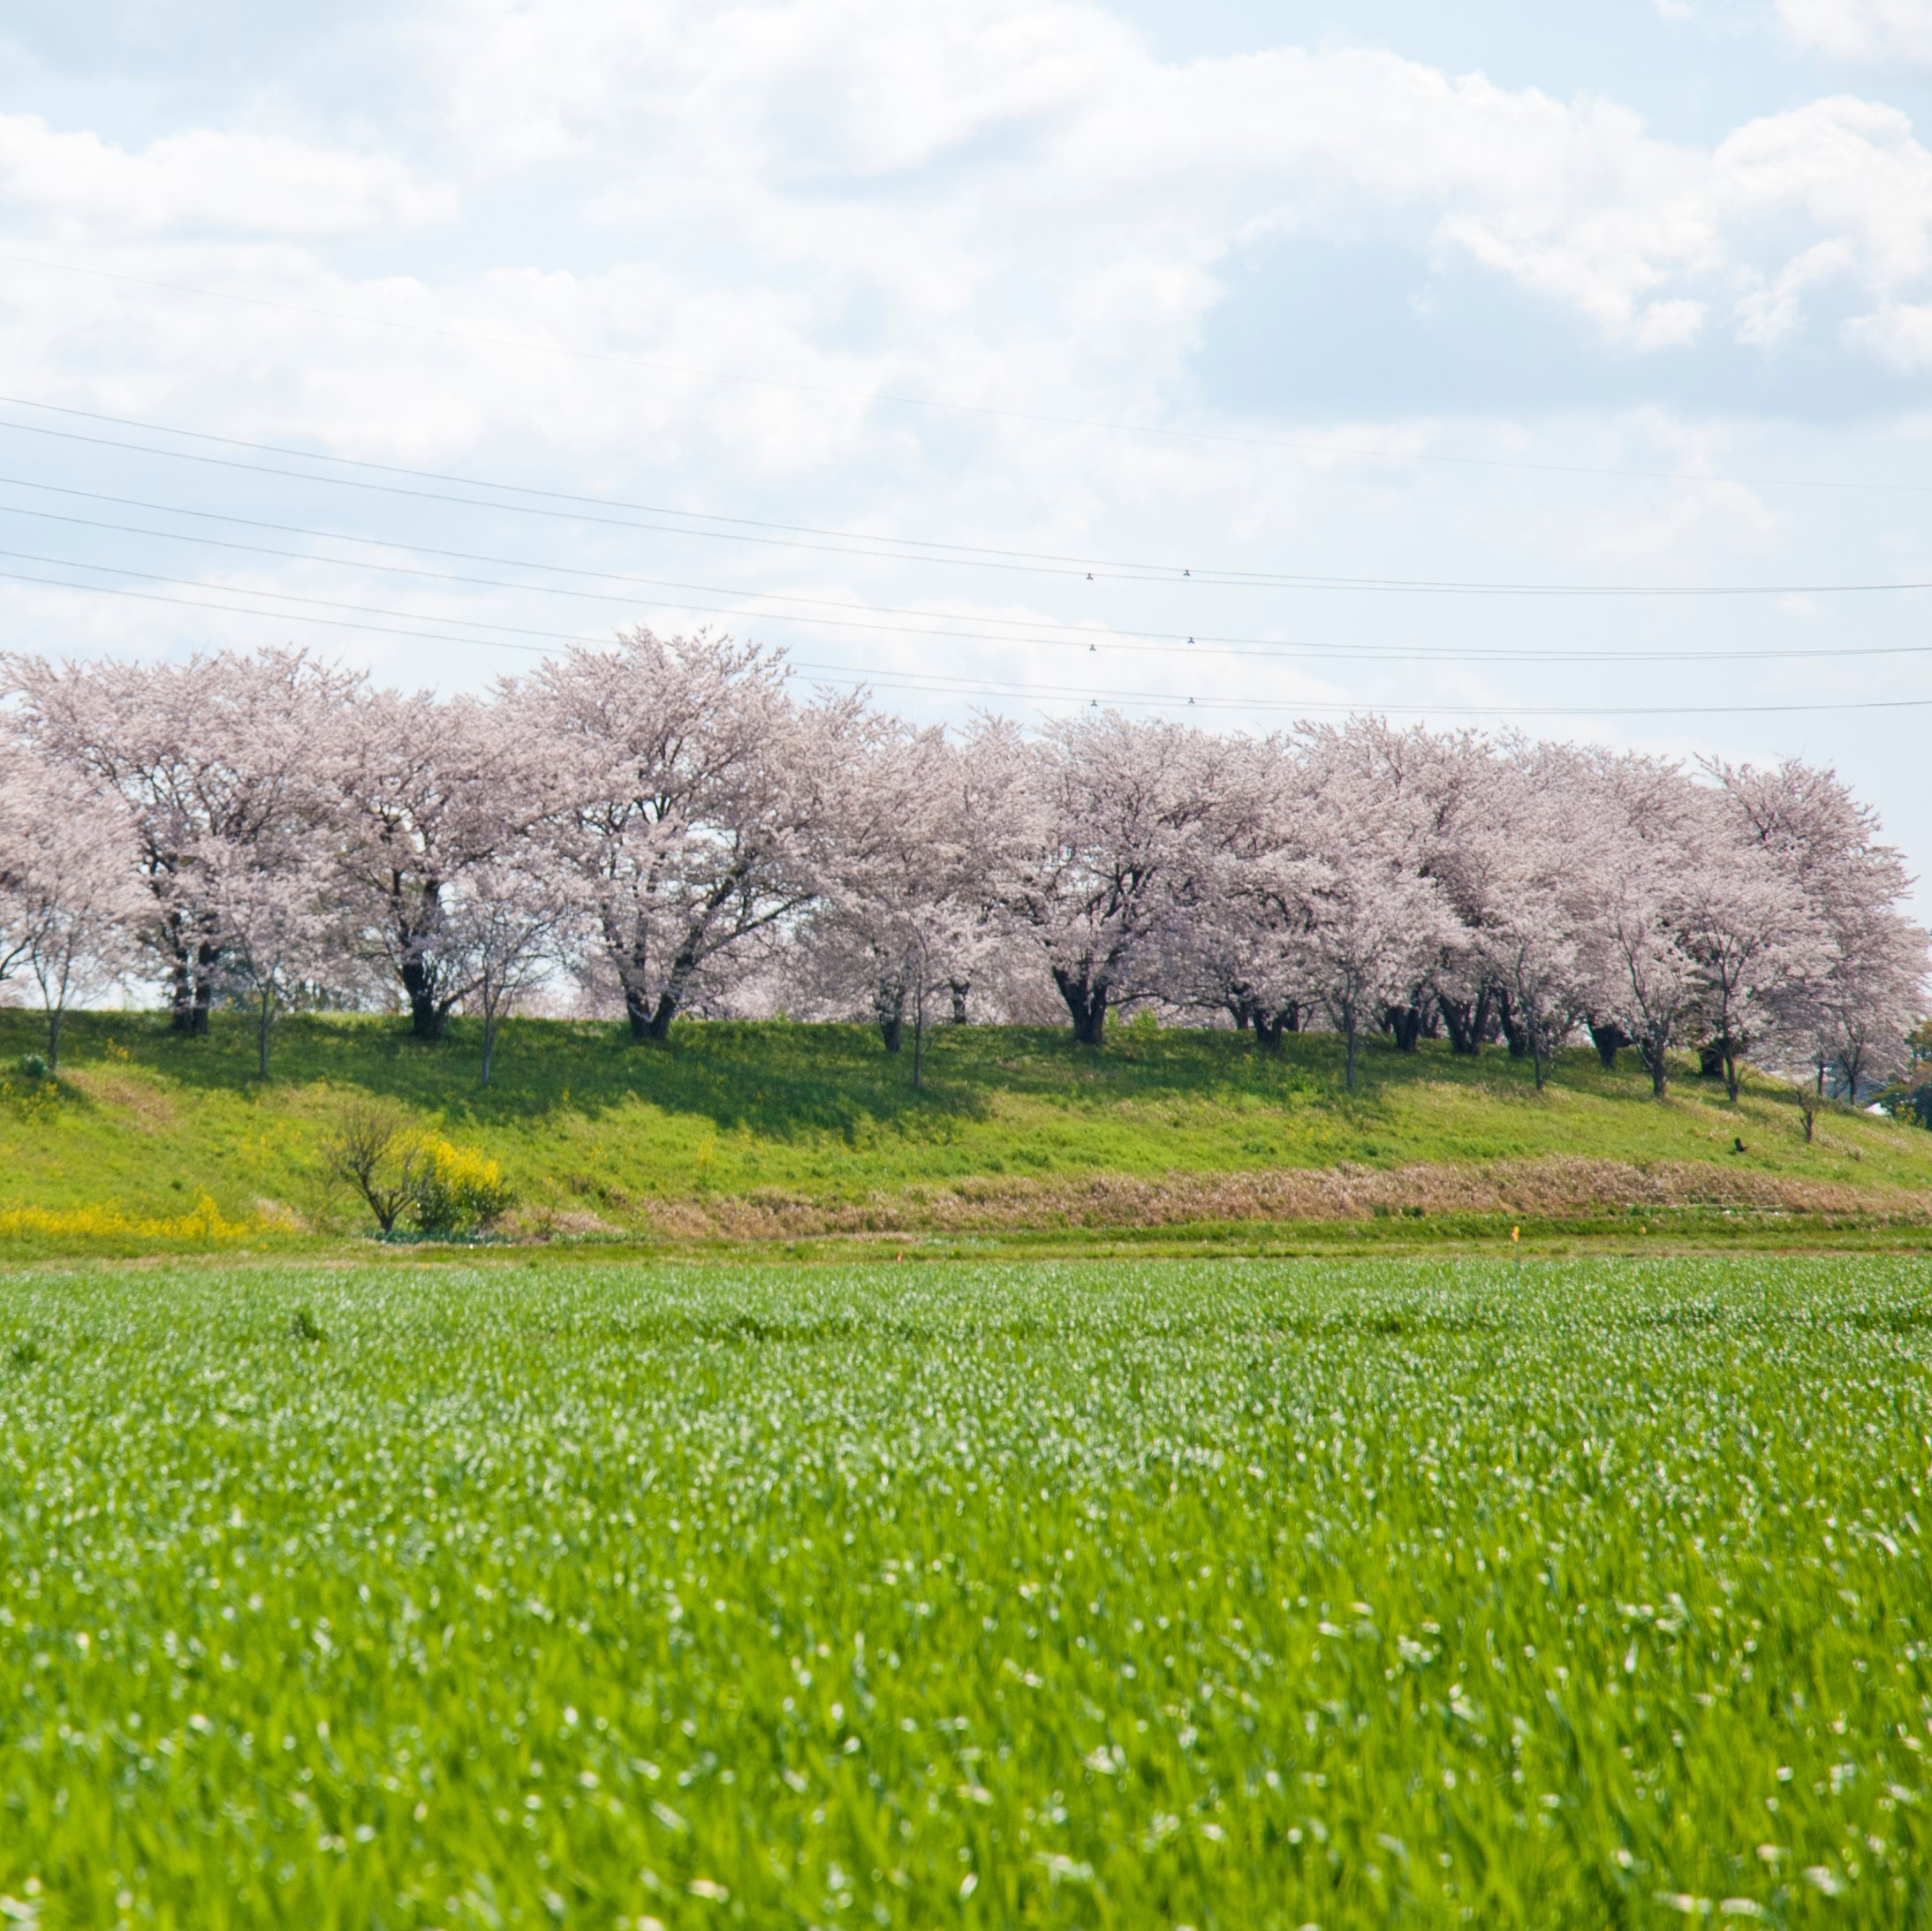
(1549, 1188)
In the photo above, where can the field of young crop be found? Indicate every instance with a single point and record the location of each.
(1228, 1594)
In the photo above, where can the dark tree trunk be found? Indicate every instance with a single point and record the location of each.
(672, 996)
(889, 1008)
(1513, 1029)
(1607, 1036)
(637, 1013)
(960, 988)
(427, 1014)
(1269, 1027)
(1406, 1022)
(181, 1003)
(1087, 1003)
(1467, 1021)
(193, 988)
(1653, 1054)
(1711, 1059)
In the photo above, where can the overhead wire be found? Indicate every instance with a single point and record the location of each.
(940, 683)
(1035, 632)
(859, 616)
(879, 549)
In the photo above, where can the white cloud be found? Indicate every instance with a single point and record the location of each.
(1861, 30)
(203, 178)
(990, 168)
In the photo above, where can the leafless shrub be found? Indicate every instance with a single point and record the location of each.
(371, 1148)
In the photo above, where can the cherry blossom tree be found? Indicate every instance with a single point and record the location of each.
(1377, 917)
(1639, 975)
(1112, 832)
(695, 803)
(506, 933)
(280, 932)
(1855, 998)
(221, 748)
(1250, 950)
(1747, 928)
(70, 899)
(431, 790)
(907, 888)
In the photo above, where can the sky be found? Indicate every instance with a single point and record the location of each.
(1558, 370)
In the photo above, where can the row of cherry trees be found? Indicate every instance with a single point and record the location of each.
(667, 825)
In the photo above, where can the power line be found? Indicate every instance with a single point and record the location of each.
(288, 596)
(939, 684)
(989, 410)
(873, 548)
(1016, 631)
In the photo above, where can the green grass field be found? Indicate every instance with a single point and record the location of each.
(738, 1131)
(526, 1591)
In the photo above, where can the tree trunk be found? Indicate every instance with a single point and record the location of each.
(427, 1014)
(264, 1019)
(1268, 1032)
(1711, 1059)
(673, 995)
(889, 1008)
(1406, 1022)
(1653, 1051)
(1730, 1070)
(53, 1039)
(637, 1012)
(1087, 1003)
(193, 989)
(1607, 1036)
(960, 989)
(1533, 1031)
(489, 1044)
(1513, 1028)
(1468, 1022)
(181, 1003)
(1348, 1025)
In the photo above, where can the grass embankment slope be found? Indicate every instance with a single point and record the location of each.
(787, 1131)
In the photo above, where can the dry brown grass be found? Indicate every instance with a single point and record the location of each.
(1543, 1189)
(148, 1107)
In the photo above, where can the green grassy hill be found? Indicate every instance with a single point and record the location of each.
(740, 1130)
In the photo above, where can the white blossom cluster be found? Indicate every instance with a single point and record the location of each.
(667, 826)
